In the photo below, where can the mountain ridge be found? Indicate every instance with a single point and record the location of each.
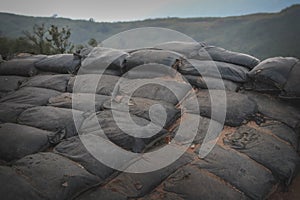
(262, 34)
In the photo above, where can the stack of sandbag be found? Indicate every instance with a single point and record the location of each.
(279, 75)
(206, 65)
(50, 106)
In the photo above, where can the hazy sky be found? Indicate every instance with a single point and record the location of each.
(118, 10)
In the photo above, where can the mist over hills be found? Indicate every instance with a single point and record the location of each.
(262, 35)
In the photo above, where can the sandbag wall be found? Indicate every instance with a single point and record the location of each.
(42, 156)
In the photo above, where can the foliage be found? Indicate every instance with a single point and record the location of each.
(59, 39)
(93, 42)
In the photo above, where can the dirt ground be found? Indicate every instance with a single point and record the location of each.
(293, 192)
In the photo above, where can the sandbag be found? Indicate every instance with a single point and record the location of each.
(54, 82)
(214, 69)
(223, 55)
(158, 194)
(74, 149)
(157, 89)
(272, 107)
(93, 83)
(17, 141)
(151, 70)
(291, 89)
(201, 132)
(141, 106)
(279, 73)
(54, 176)
(188, 49)
(30, 95)
(9, 112)
(282, 131)
(103, 60)
(21, 66)
(79, 101)
(60, 63)
(212, 83)
(52, 119)
(103, 194)
(135, 185)
(239, 108)
(10, 83)
(265, 149)
(14, 186)
(243, 173)
(111, 130)
(146, 56)
(189, 182)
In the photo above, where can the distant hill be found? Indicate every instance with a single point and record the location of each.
(262, 35)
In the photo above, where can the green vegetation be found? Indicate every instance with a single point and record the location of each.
(262, 35)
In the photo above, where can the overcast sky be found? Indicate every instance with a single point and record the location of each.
(126, 10)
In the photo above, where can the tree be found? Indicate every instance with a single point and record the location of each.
(59, 39)
(93, 42)
(38, 38)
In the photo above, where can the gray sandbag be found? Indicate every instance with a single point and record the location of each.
(93, 83)
(282, 131)
(189, 183)
(52, 119)
(60, 63)
(102, 193)
(75, 150)
(223, 55)
(54, 176)
(158, 194)
(14, 186)
(17, 141)
(135, 185)
(265, 149)
(21, 66)
(157, 89)
(112, 131)
(201, 132)
(9, 112)
(212, 83)
(54, 82)
(243, 173)
(188, 49)
(279, 73)
(208, 68)
(239, 108)
(10, 83)
(141, 108)
(30, 95)
(151, 70)
(79, 101)
(103, 60)
(272, 107)
(146, 56)
(291, 89)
